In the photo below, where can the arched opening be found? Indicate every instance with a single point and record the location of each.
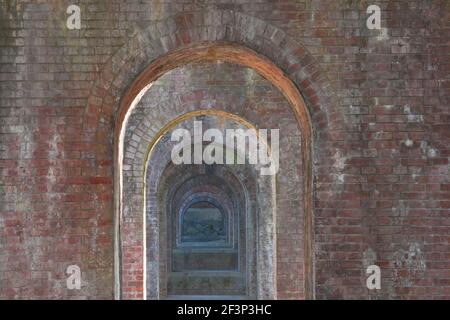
(211, 257)
(203, 224)
(239, 261)
(236, 55)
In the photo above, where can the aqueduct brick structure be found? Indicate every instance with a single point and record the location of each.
(364, 168)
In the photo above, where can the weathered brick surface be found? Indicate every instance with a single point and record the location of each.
(379, 110)
(238, 91)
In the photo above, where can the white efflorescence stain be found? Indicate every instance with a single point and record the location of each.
(383, 35)
(409, 143)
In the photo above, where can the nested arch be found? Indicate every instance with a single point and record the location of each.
(161, 186)
(235, 55)
(242, 56)
(150, 54)
(181, 186)
(217, 233)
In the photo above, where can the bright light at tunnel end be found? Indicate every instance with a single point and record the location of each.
(227, 146)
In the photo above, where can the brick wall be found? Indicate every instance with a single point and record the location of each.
(381, 142)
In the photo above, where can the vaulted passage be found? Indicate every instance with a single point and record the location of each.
(206, 249)
(214, 228)
(205, 220)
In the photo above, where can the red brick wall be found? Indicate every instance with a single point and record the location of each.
(381, 143)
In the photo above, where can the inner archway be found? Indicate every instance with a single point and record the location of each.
(240, 262)
(246, 58)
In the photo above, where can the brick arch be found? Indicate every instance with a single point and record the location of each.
(230, 181)
(165, 45)
(216, 35)
(159, 153)
(143, 132)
